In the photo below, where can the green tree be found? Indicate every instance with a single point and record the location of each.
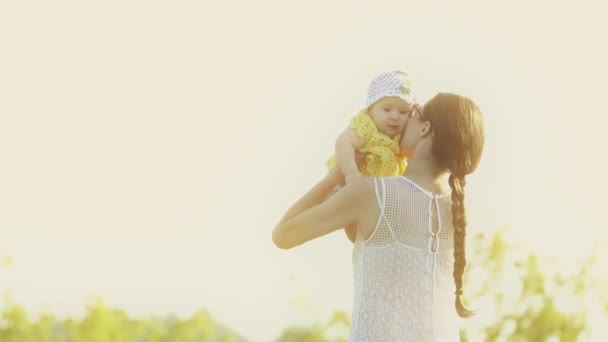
(524, 292)
(103, 324)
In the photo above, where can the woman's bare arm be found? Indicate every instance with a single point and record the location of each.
(351, 232)
(313, 216)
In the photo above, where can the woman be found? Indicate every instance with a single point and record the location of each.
(409, 231)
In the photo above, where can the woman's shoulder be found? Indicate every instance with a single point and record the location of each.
(362, 188)
(406, 184)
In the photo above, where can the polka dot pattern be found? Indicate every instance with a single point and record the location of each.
(383, 159)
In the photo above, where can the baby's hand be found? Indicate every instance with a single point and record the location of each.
(353, 176)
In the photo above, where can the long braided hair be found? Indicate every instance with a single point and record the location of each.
(458, 139)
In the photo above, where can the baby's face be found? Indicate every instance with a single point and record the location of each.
(390, 115)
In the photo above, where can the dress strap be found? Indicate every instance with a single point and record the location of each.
(380, 194)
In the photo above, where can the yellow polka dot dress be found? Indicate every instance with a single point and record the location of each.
(383, 159)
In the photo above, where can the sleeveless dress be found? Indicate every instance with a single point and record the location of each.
(404, 290)
(382, 159)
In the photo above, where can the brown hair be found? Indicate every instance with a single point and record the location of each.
(458, 139)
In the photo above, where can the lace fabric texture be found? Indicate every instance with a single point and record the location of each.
(404, 290)
(392, 83)
(383, 159)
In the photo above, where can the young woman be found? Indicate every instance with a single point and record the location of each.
(409, 231)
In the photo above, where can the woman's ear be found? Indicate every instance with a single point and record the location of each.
(427, 128)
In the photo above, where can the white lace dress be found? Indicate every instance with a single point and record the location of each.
(404, 290)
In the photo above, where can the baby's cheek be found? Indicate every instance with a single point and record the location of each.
(403, 123)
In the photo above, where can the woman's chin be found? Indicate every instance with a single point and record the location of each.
(405, 152)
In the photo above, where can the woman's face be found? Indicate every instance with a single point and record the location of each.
(412, 131)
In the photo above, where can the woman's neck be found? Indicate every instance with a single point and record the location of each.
(422, 170)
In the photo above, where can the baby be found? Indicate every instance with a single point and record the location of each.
(376, 130)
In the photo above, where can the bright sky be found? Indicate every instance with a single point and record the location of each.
(147, 149)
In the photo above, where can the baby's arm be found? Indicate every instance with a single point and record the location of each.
(346, 146)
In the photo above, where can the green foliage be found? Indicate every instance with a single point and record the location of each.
(334, 330)
(525, 298)
(522, 292)
(103, 324)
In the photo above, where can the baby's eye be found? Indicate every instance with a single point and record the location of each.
(386, 109)
(403, 112)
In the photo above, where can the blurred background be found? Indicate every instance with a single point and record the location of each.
(147, 149)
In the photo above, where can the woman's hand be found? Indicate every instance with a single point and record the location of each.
(360, 157)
